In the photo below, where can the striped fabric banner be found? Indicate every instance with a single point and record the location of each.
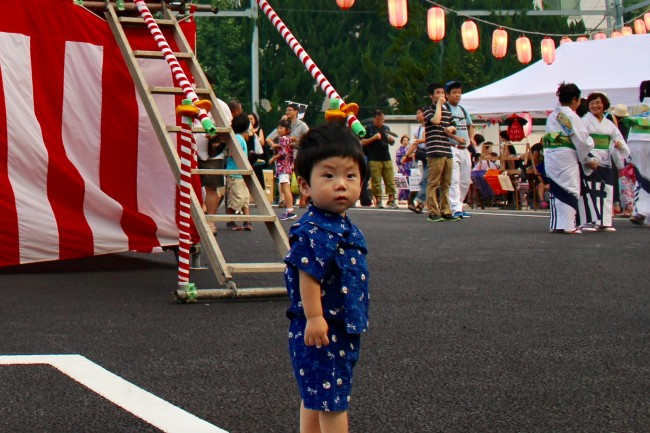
(81, 170)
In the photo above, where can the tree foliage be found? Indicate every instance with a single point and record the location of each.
(366, 60)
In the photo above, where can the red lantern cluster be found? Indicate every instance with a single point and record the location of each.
(398, 17)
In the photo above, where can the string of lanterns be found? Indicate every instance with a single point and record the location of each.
(398, 17)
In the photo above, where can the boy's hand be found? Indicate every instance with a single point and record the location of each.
(316, 332)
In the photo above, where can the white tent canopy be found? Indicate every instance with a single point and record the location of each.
(614, 66)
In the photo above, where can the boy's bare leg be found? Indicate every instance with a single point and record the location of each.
(309, 420)
(333, 422)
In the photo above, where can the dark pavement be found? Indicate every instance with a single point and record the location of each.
(490, 324)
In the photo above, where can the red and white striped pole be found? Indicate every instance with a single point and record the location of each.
(315, 72)
(187, 155)
(175, 67)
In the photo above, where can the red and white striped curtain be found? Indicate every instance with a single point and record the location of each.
(81, 170)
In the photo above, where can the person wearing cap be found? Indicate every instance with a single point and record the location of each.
(460, 142)
(609, 147)
(567, 144)
(638, 141)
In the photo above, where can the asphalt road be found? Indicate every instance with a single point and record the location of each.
(490, 324)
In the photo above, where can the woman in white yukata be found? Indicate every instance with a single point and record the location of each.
(638, 140)
(567, 144)
(609, 145)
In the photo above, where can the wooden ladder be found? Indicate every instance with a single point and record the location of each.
(223, 271)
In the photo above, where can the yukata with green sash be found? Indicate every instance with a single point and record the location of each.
(567, 145)
(598, 194)
(638, 141)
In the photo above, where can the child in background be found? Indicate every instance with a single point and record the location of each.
(238, 195)
(327, 278)
(283, 160)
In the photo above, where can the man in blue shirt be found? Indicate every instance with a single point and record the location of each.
(460, 141)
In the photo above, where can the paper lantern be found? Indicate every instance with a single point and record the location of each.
(345, 4)
(626, 31)
(599, 36)
(499, 43)
(469, 32)
(582, 39)
(646, 20)
(436, 23)
(616, 34)
(639, 27)
(398, 13)
(565, 40)
(524, 50)
(548, 50)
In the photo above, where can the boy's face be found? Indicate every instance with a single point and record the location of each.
(282, 131)
(454, 96)
(335, 184)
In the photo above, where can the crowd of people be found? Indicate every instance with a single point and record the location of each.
(584, 146)
(572, 170)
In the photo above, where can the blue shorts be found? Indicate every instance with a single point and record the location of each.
(324, 375)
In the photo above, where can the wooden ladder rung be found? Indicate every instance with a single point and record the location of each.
(176, 90)
(143, 54)
(228, 217)
(256, 267)
(138, 20)
(246, 292)
(220, 130)
(222, 171)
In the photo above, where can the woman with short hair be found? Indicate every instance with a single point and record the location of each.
(567, 144)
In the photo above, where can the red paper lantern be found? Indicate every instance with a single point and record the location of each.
(398, 13)
(436, 23)
(565, 40)
(499, 43)
(469, 33)
(639, 27)
(548, 50)
(582, 39)
(626, 31)
(345, 4)
(599, 36)
(616, 34)
(524, 50)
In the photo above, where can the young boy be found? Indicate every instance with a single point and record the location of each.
(327, 278)
(238, 195)
(283, 160)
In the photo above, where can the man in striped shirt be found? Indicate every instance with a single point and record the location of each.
(438, 126)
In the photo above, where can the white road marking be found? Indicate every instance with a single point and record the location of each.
(141, 403)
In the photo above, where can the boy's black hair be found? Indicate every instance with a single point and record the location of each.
(286, 124)
(294, 106)
(431, 88)
(566, 92)
(504, 135)
(327, 141)
(240, 123)
(479, 139)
